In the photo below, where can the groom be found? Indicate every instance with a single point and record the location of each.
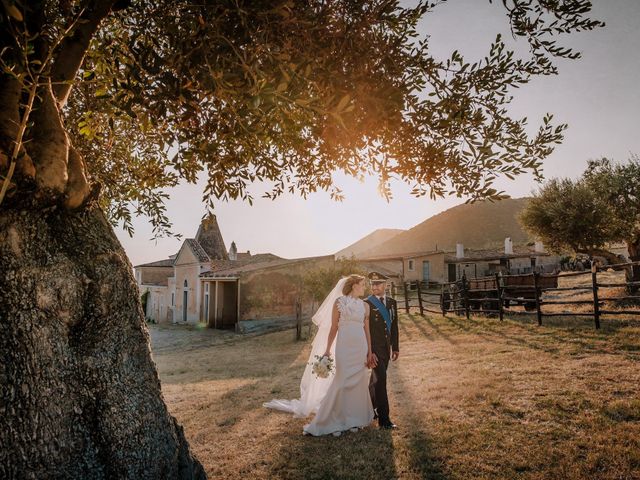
(383, 326)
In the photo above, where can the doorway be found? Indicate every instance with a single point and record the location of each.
(185, 298)
(426, 267)
(452, 272)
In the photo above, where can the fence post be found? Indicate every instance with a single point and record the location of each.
(465, 294)
(298, 319)
(499, 293)
(536, 286)
(596, 303)
(406, 295)
(442, 307)
(420, 299)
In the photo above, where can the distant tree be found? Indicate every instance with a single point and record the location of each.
(601, 207)
(571, 215)
(319, 282)
(619, 186)
(105, 103)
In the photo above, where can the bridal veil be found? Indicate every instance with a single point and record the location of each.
(312, 388)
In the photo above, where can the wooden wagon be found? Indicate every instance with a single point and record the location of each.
(521, 290)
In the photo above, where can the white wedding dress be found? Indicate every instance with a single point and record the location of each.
(342, 401)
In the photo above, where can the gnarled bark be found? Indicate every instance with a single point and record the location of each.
(80, 395)
(633, 247)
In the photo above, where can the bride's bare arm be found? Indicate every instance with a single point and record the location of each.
(335, 316)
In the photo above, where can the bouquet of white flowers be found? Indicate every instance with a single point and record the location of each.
(323, 366)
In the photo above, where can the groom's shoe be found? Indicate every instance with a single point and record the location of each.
(389, 425)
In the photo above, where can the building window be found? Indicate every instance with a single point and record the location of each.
(173, 299)
(185, 283)
(206, 287)
(411, 265)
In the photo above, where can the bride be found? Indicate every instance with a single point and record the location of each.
(340, 402)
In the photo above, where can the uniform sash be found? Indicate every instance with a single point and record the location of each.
(383, 310)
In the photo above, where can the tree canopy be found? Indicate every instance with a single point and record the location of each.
(568, 215)
(150, 93)
(619, 184)
(585, 215)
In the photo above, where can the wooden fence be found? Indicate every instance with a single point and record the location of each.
(499, 294)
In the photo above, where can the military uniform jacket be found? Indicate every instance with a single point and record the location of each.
(381, 340)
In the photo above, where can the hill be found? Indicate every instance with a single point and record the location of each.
(476, 225)
(369, 242)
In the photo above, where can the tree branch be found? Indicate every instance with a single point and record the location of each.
(73, 48)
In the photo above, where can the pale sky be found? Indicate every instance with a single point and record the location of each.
(598, 96)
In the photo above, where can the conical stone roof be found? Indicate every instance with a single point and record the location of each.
(210, 238)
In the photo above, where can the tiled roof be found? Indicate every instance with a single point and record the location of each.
(381, 257)
(217, 265)
(160, 263)
(495, 254)
(372, 266)
(399, 256)
(238, 269)
(421, 254)
(197, 250)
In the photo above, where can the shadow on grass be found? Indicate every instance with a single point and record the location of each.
(423, 460)
(417, 323)
(489, 329)
(440, 331)
(557, 334)
(367, 454)
(614, 337)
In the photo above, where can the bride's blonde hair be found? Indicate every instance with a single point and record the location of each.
(351, 281)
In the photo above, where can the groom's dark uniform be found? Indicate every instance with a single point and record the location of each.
(384, 340)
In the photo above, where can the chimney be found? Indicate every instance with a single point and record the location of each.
(539, 247)
(459, 250)
(233, 251)
(508, 246)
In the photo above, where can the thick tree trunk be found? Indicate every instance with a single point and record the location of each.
(633, 273)
(80, 395)
(633, 248)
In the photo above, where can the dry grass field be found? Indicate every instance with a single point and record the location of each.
(474, 399)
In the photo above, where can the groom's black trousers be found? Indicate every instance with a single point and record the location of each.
(378, 389)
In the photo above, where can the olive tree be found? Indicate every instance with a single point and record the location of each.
(106, 103)
(619, 186)
(570, 215)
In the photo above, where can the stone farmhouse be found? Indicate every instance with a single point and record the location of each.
(439, 266)
(204, 283)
